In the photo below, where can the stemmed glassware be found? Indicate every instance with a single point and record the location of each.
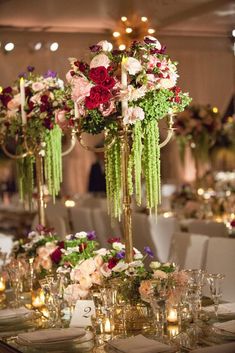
(158, 304)
(196, 279)
(215, 284)
(16, 273)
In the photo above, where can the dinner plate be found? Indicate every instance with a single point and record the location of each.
(80, 340)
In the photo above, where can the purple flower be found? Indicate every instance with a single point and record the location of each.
(50, 73)
(95, 48)
(30, 68)
(120, 255)
(91, 235)
(148, 251)
(22, 74)
(148, 40)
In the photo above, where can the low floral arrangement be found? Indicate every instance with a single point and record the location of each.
(127, 91)
(197, 127)
(40, 129)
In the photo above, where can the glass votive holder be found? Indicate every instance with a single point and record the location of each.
(172, 315)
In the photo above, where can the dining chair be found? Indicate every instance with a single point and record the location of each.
(81, 219)
(210, 228)
(104, 227)
(220, 258)
(189, 250)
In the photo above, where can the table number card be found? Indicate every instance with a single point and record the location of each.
(83, 311)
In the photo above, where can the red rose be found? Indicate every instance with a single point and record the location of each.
(98, 74)
(112, 263)
(90, 104)
(109, 82)
(82, 247)
(56, 255)
(100, 94)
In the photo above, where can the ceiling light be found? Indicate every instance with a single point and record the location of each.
(37, 46)
(123, 18)
(1, 89)
(54, 46)
(116, 34)
(9, 46)
(122, 47)
(233, 32)
(215, 110)
(144, 19)
(129, 30)
(151, 30)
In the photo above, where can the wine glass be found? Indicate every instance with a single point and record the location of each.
(158, 304)
(16, 272)
(196, 279)
(215, 284)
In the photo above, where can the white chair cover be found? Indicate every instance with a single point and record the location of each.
(221, 259)
(142, 235)
(57, 218)
(104, 227)
(210, 228)
(6, 244)
(189, 250)
(162, 230)
(81, 219)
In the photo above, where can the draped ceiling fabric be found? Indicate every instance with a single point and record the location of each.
(205, 66)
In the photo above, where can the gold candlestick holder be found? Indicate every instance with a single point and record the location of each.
(126, 142)
(39, 164)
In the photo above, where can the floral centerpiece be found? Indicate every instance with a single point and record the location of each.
(35, 127)
(197, 127)
(131, 91)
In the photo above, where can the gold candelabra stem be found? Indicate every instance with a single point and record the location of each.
(127, 212)
(72, 144)
(170, 131)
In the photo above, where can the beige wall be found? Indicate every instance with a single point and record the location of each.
(205, 67)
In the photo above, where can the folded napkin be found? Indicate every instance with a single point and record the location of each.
(51, 335)
(228, 308)
(228, 326)
(12, 313)
(138, 344)
(221, 348)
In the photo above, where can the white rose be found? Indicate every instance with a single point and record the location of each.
(160, 274)
(100, 60)
(106, 46)
(101, 252)
(121, 266)
(136, 264)
(38, 86)
(154, 265)
(118, 246)
(138, 256)
(81, 235)
(132, 65)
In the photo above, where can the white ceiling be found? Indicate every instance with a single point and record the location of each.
(179, 17)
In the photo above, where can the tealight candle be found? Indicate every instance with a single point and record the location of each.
(22, 101)
(2, 284)
(172, 316)
(173, 330)
(38, 299)
(107, 325)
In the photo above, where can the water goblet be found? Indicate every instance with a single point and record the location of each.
(215, 284)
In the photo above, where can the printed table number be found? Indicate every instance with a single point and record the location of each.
(83, 311)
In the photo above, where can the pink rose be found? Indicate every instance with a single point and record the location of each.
(75, 274)
(74, 292)
(167, 82)
(133, 114)
(87, 266)
(36, 98)
(100, 60)
(14, 103)
(146, 289)
(158, 274)
(45, 251)
(107, 108)
(69, 76)
(46, 263)
(37, 86)
(105, 270)
(98, 261)
(96, 278)
(85, 282)
(80, 88)
(132, 65)
(60, 119)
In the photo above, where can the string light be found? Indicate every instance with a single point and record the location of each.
(1, 89)
(37, 46)
(233, 32)
(122, 47)
(116, 34)
(9, 46)
(215, 110)
(54, 46)
(144, 19)
(151, 31)
(129, 30)
(123, 18)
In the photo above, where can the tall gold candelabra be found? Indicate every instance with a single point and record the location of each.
(35, 151)
(125, 141)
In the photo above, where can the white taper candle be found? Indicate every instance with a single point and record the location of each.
(124, 86)
(22, 101)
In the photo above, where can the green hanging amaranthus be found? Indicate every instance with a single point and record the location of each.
(25, 179)
(113, 179)
(53, 160)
